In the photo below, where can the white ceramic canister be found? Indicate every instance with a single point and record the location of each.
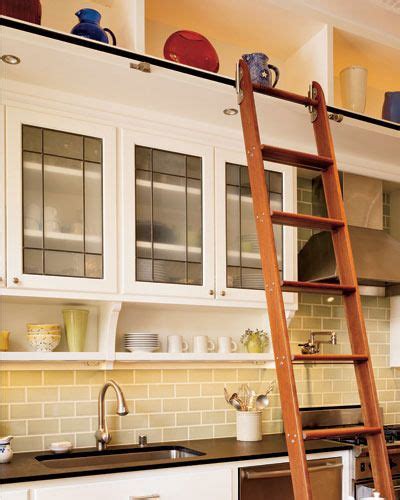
(248, 425)
(6, 452)
(353, 84)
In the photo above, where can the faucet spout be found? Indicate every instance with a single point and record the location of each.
(313, 345)
(103, 436)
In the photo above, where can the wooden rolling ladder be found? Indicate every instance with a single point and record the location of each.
(336, 222)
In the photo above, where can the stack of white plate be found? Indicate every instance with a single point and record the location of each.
(145, 342)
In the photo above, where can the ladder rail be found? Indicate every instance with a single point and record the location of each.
(354, 315)
(325, 161)
(276, 308)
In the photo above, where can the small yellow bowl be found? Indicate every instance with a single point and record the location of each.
(44, 328)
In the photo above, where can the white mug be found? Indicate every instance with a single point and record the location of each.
(201, 343)
(226, 344)
(177, 344)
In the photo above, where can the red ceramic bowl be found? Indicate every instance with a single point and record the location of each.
(26, 10)
(192, 49)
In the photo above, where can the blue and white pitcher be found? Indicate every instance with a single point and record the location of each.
(6, 452)
(260, 70)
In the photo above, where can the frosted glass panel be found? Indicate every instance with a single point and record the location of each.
(93, 149)
(144, 211)
(168, 217)
(32, 193)
(64, 264)
(194, 232)
(93, 209)
(242, 248)
(62, 203)
(63, 144)
(33, 261)
(32, 138)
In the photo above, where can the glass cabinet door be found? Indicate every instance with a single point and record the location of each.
(168, 217)
(243, 264)
(239, 278)
(168, 223)
(62, 204)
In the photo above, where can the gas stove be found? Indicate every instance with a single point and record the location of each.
(341, 416)
(392, 436)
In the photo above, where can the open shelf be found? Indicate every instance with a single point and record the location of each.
(235, 29)
(51, 356)
(16, 312)
(381, 61)
(193, 356)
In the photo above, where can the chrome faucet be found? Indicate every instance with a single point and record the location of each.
(312, 346)
(103, 437)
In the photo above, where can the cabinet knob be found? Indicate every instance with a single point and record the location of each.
(1, 279)
(211, 292)
(15, 280)
(223, 293)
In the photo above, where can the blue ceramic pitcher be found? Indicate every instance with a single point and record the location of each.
(89, 27)
(260, 70)
(391, 107)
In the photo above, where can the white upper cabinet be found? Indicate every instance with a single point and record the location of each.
(167, 217)
(189, 233)
(61, 203)
(238, 265)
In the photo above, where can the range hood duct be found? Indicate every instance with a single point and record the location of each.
(376, 253)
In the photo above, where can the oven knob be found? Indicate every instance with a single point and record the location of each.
(362, 467)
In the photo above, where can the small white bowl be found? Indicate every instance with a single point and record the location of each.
(61, 447)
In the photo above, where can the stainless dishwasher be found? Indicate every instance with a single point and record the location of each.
(273, 482)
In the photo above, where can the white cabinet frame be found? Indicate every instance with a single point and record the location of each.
(16, 117)
(224, 293)
(2, 200)
(129, 139)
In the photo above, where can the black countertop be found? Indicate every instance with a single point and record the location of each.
(26, 467)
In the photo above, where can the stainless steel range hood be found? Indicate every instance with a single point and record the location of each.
(376, 253)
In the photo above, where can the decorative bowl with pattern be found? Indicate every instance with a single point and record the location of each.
(44, 342)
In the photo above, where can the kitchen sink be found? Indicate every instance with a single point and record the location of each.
(126, 456)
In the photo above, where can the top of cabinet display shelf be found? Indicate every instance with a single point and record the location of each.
(25, 40)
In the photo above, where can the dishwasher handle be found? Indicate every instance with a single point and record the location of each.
(246, 474)
(146, 497)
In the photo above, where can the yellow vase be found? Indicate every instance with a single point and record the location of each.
(75, 321)
(4, 337)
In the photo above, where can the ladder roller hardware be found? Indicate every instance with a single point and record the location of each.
(323, 161)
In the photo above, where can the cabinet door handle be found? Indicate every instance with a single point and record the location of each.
(146, 497)
(211, 292)
(15, 280)
(223, 293)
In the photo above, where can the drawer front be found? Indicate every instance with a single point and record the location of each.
(215, 484)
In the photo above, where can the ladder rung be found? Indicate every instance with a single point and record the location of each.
(310, 287)
(340, 431)
(309, 221)
(286, 96)
(295, 158)
(330, 358)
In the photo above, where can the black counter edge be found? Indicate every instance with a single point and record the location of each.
(111, 49)
(191, 462)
